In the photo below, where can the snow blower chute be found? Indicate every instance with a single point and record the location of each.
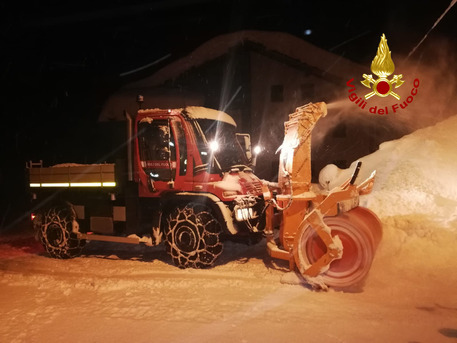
(327, 236)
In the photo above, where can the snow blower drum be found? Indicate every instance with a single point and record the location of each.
(325, 235)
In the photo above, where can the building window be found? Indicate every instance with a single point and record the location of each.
(277, 93)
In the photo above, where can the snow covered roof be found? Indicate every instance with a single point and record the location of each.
(294, 48)
(281, 42)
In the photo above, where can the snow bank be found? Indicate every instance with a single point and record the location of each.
(416, 175)
(415, 196)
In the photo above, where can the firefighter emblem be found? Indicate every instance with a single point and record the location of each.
(382, 66)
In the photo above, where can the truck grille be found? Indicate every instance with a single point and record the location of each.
(253, 188)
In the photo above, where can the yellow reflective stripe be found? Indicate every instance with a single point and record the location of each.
(74, 184)
(85, 184)
(62, 184)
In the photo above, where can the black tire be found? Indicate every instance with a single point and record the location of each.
(193, 236)
(56, 232)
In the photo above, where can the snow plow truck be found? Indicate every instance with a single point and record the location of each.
(188, 182)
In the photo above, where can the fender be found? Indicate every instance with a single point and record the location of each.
(222, 211)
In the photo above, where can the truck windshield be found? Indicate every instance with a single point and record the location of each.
(222, 143)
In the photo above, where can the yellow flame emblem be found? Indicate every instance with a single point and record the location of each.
(382, 66)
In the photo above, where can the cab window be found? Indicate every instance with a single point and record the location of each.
(157, 149)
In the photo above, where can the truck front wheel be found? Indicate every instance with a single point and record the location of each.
(193, 236)
(56, 232)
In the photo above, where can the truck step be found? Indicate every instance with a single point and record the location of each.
(104, 238)
(132, 239)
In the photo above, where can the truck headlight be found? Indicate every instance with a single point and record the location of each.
(242, 214)
(214, 146)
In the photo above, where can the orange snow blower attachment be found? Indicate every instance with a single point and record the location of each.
(325, 235)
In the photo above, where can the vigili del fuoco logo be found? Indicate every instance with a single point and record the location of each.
(382, 66)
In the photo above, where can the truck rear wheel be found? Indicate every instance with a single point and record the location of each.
(193, 236)
(56, 232)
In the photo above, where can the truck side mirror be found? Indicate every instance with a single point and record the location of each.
(244, 139)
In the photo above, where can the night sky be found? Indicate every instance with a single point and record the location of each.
(61, 59)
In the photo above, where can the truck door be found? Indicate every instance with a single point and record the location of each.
(157, 150)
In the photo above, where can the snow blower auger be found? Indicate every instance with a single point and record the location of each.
(326, 236)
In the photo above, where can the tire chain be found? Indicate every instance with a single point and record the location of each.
(68, 245)
(205, 228)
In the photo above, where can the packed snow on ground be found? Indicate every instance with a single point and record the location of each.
(120, 293)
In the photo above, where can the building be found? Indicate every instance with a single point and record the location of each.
(259, 78)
